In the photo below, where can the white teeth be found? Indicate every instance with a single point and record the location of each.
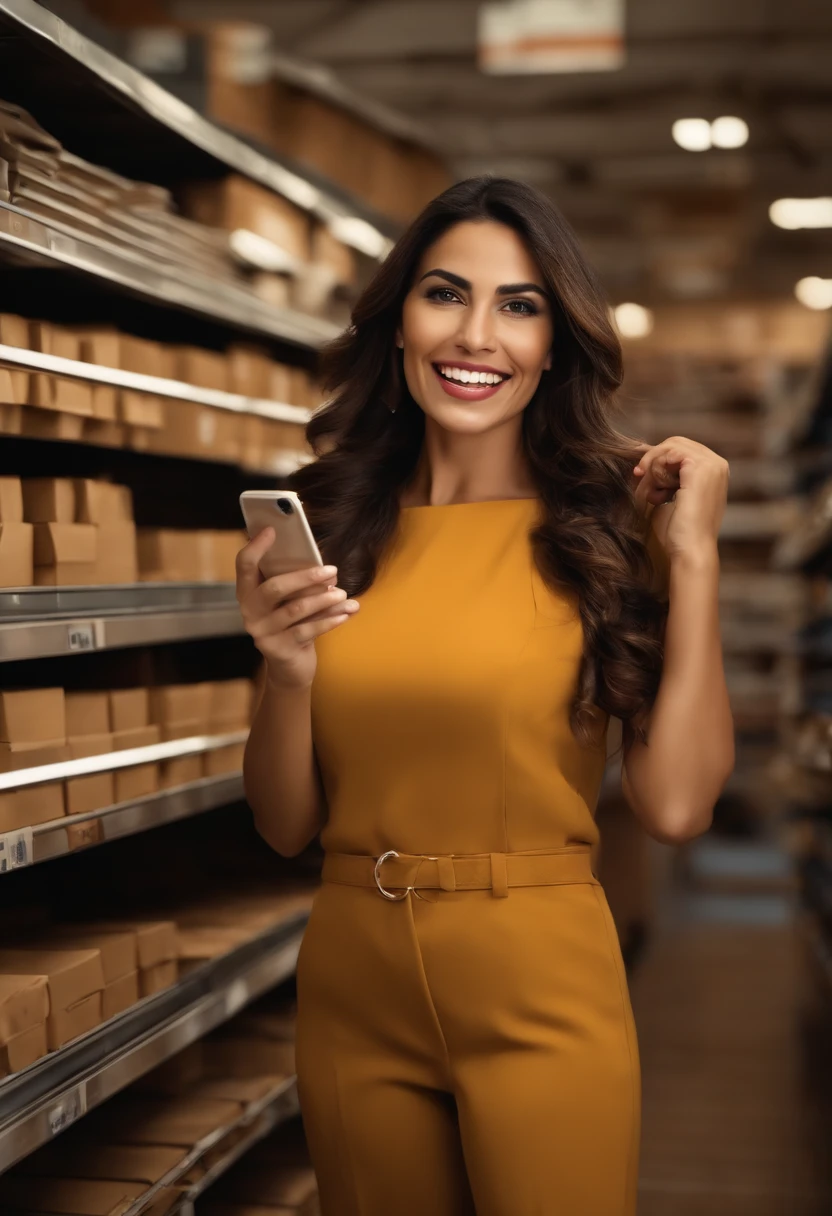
(464, 376)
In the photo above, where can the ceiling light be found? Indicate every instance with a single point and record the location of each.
(729, 132)
(814, 292)
(801, 213)
(633, 321)
(692, 134)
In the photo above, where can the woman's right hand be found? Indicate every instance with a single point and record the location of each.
(285, 614)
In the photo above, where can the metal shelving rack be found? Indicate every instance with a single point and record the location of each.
(44, 622)
(63, 78)
(44, 1100)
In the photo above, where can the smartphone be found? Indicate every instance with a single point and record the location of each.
(294, 545)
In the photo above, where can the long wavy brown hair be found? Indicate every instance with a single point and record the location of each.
(592, 541)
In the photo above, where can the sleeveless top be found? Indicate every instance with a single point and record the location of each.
(440, 712)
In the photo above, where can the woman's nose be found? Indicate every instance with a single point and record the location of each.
(476, 331)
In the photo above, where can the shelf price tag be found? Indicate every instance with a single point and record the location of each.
(15, 850)
(70, 1108)
(82, 636)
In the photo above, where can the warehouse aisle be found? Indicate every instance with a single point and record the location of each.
(737, 1080)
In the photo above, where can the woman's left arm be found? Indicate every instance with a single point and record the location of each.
(674, 779)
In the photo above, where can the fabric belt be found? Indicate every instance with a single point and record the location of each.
(394, 874)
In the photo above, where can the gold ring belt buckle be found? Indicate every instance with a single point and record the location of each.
(377, 876)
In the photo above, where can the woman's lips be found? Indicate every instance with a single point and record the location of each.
(467, 392)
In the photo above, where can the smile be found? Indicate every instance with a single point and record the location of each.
(468, 383)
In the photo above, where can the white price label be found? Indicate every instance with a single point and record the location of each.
(15, 850)
(70, 1108)
(236, 997)
(81, 636)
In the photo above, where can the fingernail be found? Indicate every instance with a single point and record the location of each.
(327, 571)
(351, 604)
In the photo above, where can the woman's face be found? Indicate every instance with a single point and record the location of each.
(476, 328)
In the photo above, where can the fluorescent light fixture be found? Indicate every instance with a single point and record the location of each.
(692, 134)
(814, 292)
(633, 320)
(259, 252)
(796, 213)
(360, 235)
(729, 132)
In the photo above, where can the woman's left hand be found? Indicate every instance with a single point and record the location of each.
(687, 484)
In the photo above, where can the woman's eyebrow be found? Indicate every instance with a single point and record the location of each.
(510, 289)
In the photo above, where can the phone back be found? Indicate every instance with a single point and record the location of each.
(294, 545)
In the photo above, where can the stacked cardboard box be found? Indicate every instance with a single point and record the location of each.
(45, 406)
(109, 1160)
(24, 1009)
(129, 717)
(84, 534)
(74, 978)
(32, 732)
(16, 537)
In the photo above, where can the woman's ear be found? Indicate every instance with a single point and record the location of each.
(399, 339)
(547, 366)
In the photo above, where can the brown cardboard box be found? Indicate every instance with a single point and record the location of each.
(251, 1057)
(119, 995)
(183, 730)
(249, 370)
(11, 500)
(180, 771)
(119, 952)
(78, 1196)
(226, 547)
(71, 397)
(141, 736)
(141, 409)
(36, 715)
(14, 331)
(48, 500)
(65, 543)
(105, 432)
(204, 368)
(235, 202)
(31, 805)
(48, 423)
(88, 713)
(117, 561)
(155, 939)
(23, 1049)
(93, 792)
(104, 404)
(331, 252)
(11, 419)
(64, 1025)
(99, 346)
(15, 756)
(165, 555)
(175, 703)
(130, 710)
(100, 502)
(53, 339)
(17, 555)
(73, 975)
(156, 979)
(198, 944)
(224, 760)
(230, 704)
(143, 780)
(24, 1003)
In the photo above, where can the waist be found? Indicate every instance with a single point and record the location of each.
(395, 874)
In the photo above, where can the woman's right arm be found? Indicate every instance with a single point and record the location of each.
(284, 615)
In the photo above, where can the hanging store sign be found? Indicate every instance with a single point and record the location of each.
(539, 36)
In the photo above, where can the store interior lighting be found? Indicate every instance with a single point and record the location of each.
(698, 134)
(793, 213)
(814, 292)
(633, 320)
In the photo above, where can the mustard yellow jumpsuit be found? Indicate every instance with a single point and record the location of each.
(467, 1046)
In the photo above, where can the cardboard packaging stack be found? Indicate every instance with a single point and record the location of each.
(32, 733)
(82, 531)
(121, 1150)
(45, 406)
(16, 537)
(46, 725)
(24, 1009)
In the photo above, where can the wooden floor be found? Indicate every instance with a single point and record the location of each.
(736, 1063)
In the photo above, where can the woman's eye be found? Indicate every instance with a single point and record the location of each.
(521, 308)
(445, 295)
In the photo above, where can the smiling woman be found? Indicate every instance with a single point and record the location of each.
(465, 1039)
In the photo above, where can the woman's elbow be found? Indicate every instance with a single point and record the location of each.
(285, 843)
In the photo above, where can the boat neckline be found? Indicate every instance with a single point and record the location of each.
(478, 502)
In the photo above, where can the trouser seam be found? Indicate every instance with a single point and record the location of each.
(428, 994)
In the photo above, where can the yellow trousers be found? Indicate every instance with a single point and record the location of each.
(460, 1053)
